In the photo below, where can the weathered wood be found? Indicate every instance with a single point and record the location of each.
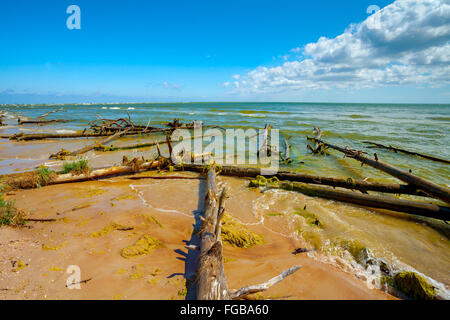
(287, 150)
(373, 201)
(306, 178)
(211, 281)
(426, 186)
(108, 172)
(48, 113)
(41, 122)
(243, 292)
(42, 136)
(92, 146)
(28, 180)
(379, 145)
(151, 144)
(265, 148)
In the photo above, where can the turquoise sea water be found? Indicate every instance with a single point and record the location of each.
(422, 128)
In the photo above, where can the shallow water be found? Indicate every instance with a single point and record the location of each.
(404, 242)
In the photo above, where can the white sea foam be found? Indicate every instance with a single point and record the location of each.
(65, 131)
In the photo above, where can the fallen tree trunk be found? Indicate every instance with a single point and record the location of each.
(30, 180)
(100, 147)
(132, 167)
(92, 146)
(48, 113)
(42, 136)
(305, 178)
(379, 145)
(426, 186)
(373, 201)
(40, 122)
(211, 281)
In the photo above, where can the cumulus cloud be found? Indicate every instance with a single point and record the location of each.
(407, 42)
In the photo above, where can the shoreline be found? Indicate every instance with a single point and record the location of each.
(281, 217)
(100, 260)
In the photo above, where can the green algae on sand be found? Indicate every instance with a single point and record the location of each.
(414, 285)
(237, 235)
(145, 245)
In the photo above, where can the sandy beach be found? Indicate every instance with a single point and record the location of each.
(34, 260)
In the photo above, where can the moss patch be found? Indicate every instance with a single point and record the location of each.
(151, 218)
(359, 251)
(274, 214)
(414, 285)
(310, 218)
(145, 245)
(106, 230)
(237, 235)
(125, 197)
(261, 181)
(53, 248)
(61, 155)
(20, 265)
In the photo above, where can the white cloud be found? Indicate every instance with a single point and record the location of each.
(168, 85)
(407, 42)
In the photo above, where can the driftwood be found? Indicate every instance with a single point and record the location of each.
(48, 113)
(29, 180)
(100, 147)
(211, 281)
(379, 145)
(166, 178)
(79, 282)
(243, 292)
(84, 134)
(132, 167)
(92, 146)
(41, 122)
(317, 146)
(305, 178)
(426, 186)
(41, 220)
(286, 157)
(373, 201)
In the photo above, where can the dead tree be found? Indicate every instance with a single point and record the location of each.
(93, 146)
(234, 171)
(211, 281)
(412, 153)
(426, 186)
(48, 113)
(373, 201)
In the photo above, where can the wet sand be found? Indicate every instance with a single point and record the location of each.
(166, 210)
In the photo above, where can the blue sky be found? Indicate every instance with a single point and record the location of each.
(192, 50)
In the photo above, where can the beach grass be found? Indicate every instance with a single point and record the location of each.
(9, 214)
(76, 167)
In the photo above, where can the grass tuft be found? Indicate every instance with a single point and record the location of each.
(76, 167)
(9, 214)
